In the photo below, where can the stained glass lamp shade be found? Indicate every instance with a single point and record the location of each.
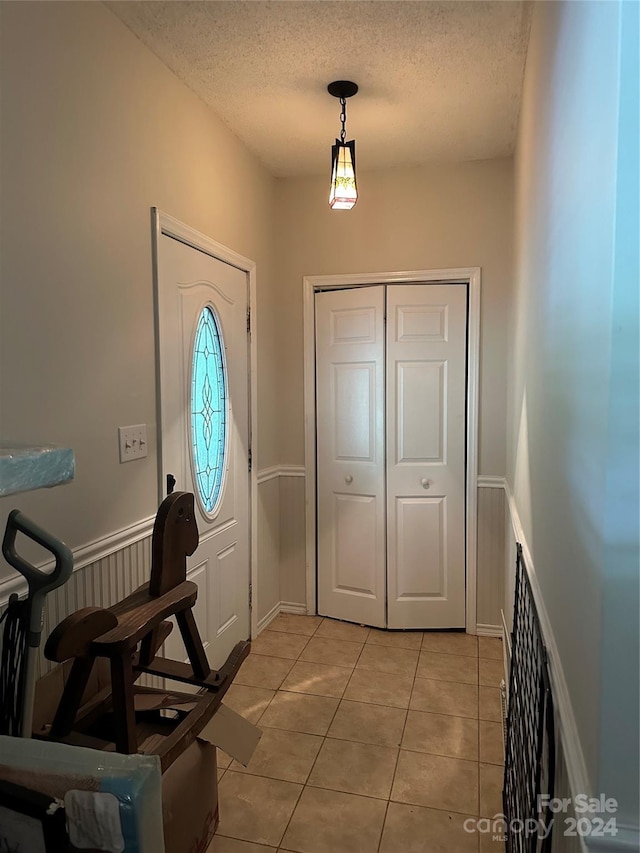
(343, 194)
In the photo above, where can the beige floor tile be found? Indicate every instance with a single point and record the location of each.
(221, 844)
(333, 629)
(491, 844)
(379, 688)
(279, 645)
(450, 643)
(255, 809)
(220, 773)
(448, 667)
(359, 721)
(332, 652)
(292, 623)
(283, 755)
(491, 743)
(445, 697)
(490, 647)
(490, 705)
(299, 712)
(249, 702)
(222, 759)
(441, 734)
(491, 780)
(395, 639)
(357, 768)
(318, 679)
(388, 660)
(333, 822)
(414, 829)
(491, 672)
(263, 671)
(436, 782)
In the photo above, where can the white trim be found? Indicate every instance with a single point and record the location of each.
(506, 636)
(163, 223)
(267, 474)
(293, 607)
(266, 620)
(292, 471)
(85, 555)
(281, 607)
(463, 275)
(571, 746)
(489, 630)
(486, 482)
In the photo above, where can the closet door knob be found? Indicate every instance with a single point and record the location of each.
(348, 479)
(425, 483)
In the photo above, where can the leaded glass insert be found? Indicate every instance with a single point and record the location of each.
(208, 410)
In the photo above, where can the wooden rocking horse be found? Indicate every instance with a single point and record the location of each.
(129, 635)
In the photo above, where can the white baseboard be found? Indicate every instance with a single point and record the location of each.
(293, 607)
(271, 615)
(489, 630)
(281, 607)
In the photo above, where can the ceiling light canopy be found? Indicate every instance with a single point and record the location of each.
(343, 193)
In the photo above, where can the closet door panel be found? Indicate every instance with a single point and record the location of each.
(426, 399)
(350, 454)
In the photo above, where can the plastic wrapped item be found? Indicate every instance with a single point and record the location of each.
(24, 467)
(112, 802)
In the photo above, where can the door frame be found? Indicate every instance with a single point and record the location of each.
(163, 223)
(463, 275)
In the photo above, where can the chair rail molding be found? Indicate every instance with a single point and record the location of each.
(85, 555)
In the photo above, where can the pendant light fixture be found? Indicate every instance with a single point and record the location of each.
(343, 194)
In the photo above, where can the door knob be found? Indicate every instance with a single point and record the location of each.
(425, 483)
(348, 479)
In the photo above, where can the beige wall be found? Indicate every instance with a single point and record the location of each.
(416, 218)
(95, 130)
(573, 449)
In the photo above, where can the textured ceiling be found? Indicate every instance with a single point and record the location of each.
(438, 81)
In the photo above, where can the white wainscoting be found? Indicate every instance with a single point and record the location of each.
(490, 556)
(104, 572)
(281, 543)
(282, 547)
(267, 597)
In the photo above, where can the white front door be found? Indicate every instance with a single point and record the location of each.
(204, 431)
(426, 404)
(350, 434)
(391, 454)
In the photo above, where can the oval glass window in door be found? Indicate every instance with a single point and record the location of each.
(209, 404)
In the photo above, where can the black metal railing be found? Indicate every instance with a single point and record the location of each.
(530, 750)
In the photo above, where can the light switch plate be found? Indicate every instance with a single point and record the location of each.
(133, 442)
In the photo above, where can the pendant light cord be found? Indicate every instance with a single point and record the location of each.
(343, 119)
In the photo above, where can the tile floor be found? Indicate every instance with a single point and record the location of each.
(373, 742)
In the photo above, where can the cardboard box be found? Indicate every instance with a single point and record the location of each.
(190, 821)
(189, 785)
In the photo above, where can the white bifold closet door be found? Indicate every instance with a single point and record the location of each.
(391, 405)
